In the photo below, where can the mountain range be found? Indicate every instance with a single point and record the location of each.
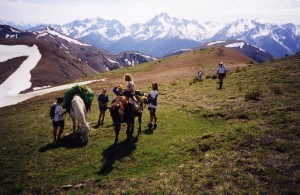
(164, 34)
(84, 48)
(63, 58)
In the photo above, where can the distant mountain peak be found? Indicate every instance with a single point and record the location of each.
(163, 34)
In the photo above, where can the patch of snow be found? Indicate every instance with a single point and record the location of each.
(215, 42)
(261, 33)
(69, 39)
(6, 100)
(239, 44)
(278, 39)
(20, 79)
(41, 35)
(259, 48)
(146, 56)
(15, 31)
(39, 88)
(112, 61)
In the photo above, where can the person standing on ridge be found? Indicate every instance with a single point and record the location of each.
(221, 72)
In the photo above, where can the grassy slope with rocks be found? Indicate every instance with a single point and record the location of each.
(207, 141)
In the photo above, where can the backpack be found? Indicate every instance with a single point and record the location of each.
(52, 111)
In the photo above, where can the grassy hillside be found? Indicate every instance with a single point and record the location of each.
(207, 140)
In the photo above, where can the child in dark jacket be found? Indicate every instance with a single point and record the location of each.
(102, 101)
(152, 99)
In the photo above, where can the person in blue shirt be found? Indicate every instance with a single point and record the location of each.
(103, 99)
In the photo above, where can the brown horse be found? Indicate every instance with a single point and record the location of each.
(122, 111)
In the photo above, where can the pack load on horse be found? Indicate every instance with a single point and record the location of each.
(126, 107)
(83, 91)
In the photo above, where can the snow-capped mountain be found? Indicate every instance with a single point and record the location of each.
(130, 58)
(277, 39)
(11, 32)
(164, 34)
(161, 35)
(162, 26)
(213, 27)
(97, 59)
(158, 36)
(257, 54)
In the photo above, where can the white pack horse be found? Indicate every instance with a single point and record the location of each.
(78, 113)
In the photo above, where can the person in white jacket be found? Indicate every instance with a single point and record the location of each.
(58, 120)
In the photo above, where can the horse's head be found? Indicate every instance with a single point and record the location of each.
(84, 130)
(117, 110)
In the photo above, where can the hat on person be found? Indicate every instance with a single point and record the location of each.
(59, 99)
(121, 87)
(221, 63)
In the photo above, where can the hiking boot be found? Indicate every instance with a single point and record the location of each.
(149, 125)
(155, 126)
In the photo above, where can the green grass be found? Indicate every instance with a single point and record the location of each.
(207, 141)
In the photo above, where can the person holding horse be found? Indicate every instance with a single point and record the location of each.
(58, 120)
(152, 100)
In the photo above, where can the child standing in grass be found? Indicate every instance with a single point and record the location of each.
(102, 102)
(152, 99)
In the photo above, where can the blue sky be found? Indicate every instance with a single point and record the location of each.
(139, 11)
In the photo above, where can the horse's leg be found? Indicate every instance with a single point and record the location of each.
(117, 130)
(74, 125)
(128, 129)
(132, 128)
(140, 122)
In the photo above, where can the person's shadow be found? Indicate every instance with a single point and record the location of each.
(116, 153)
(70, 141)
(148, 131)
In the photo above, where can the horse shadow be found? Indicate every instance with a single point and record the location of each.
(70, 141)
(116, 152)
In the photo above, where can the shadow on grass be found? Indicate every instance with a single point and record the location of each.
(116, 153)
(148, 131)
(69, 141)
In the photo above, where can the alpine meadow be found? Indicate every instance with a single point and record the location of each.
(242, 139)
